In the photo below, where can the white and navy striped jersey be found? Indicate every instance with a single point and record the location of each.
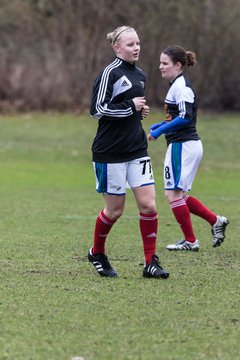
(181, 102)
(120, 136)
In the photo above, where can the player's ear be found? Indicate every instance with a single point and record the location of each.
(178, 65)
(116, 48)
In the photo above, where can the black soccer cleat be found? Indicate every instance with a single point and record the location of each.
(101, 263)
(154, 269)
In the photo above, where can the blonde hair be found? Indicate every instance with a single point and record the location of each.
(115, 35)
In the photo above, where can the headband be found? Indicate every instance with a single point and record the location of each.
(120, 34)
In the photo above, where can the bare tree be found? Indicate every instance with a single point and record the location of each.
(51, 50)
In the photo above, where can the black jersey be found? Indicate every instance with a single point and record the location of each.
(120, 136)
(181, 101)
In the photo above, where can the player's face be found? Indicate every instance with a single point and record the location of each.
(168, 69)
(128, 47)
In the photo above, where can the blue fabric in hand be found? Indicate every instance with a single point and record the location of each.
(167, 127)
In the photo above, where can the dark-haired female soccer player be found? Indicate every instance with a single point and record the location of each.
(120, 152)
(184, 150)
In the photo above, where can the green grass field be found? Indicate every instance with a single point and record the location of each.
(54, 306)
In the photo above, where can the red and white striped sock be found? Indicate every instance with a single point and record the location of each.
(102, 227)
(149, 227)
(182, 215)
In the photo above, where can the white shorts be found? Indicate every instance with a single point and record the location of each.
(181, 164)
(113, 178)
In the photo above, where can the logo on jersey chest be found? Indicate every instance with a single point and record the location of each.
(124, 83)
(121, 85)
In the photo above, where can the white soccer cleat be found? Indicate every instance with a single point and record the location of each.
(184, 245)
(218, 230)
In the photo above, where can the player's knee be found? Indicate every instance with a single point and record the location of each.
(168, 196)
(115, 214)
(148, 208)
(173, 195)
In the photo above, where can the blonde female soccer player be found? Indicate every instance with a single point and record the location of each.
(119, 152)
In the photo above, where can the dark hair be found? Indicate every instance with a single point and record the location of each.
(178, 54)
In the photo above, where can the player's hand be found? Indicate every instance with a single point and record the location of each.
(139, 102)
(151, 138)
(145, 111)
